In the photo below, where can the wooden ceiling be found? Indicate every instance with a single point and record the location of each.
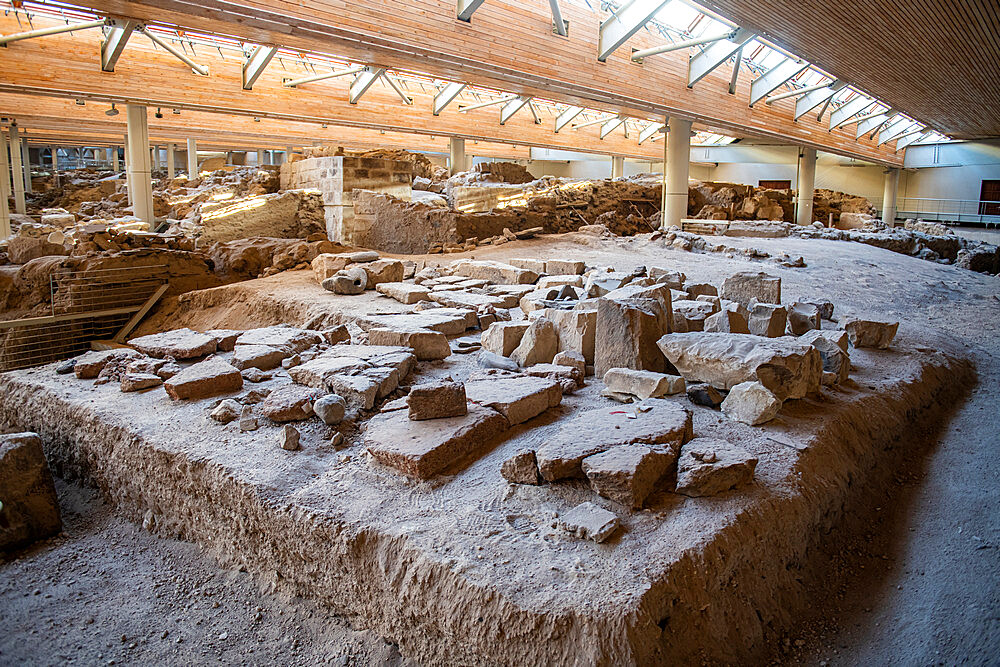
(936, 60)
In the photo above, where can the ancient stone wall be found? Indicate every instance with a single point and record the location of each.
(287, 215)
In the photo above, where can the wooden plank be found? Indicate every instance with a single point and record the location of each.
(53, 319)
(141, 313)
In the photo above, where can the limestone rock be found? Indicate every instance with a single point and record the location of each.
(626, 474)
(568, 378)
(405, 293)
(751, 403)
(672, 279)
(627, 331)
(536, 265)
(588, 521)
(708, 466)
(691, 315)
(254, 374)
(538, 345)
(825, 307)
(436, 400)
(226, 337)
(290, 339)
(494, 272)
(521, 468)
(331, 408)
(572, 359)
(786, 366)
(348, 282)
(261, 357)
(518, 398)
(643, 384)
(247, 421)
(30, 509)
(422, 449)
(138, 381)
(449, 321)
(488, 359)
(337, 334)
(802, 317)
(289, 438)
(695, 290)
(426, 344)
(767, 319)
(227, 411)
(23, 249)
(328, 264)
(382, 271)
(204, 379)
(89, 365)
(503, 337)
(576, 329)
(727, 321)
(869, 333)
(564, 267)
(835, 357)
(289, 403)
(745, 286)
(179, 344)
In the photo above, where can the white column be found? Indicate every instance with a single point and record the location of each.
(889, 196)
(170, 162)
(26, 160)
(617, 166)
(806, 187)
(128, 173)
(4, 189)
(138, 166)
(192, 156)
(288, 153)
(155, 158)
(456, 155)
(17, 169)
(114, 159)
(55, 165)
(677, 154)
(260, 157)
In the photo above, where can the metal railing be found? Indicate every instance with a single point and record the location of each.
(958, 211)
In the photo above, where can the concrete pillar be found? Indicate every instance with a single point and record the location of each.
(806, 187)
(138, 166)
(617, 166)
(192, 156)
(26, 162)
(677, 158)
(114, 159)
(128, 173)
(456, 155)
(170, 162)
(4, 189)
(55, 165)
(260, 157)
(889, 196)
(155, 158)
(17, 169)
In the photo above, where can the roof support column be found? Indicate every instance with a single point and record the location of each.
(806, 187)
(677, 156)
(128, 173)
(617, 166)
(192, 158)
(456, 155)
(55, 165)
(4, 189)
(889, 196)
(115, 164)
(17, 169)
(26, 162)
(138, 167)
(170, 162)
(260, 157)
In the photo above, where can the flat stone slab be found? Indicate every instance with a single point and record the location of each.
(463, 299)
(204, 379)
(424, 448)
(407, 293)
(449, 321)
(287, 338)
(494, 272)
(517, 397)
(179, 344)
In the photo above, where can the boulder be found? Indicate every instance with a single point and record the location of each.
(331, 408)
(787, 367)
(626, 335)
(869, 333)
(502, 338)
(288, 439)
(538, 345)
(204, 379)
(627, 474)
(30, 508)
(802, 317)
(708, 466)
(289, 403)
(745, 286)
(405, 293)
(517, 397)
(588, 521)
(383, 271)
(767, 319)
(178, 343)
(521, 468)
(751, 403)
(494, 272)
(642, 384)
(436, 400)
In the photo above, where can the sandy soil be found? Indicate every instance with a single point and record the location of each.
(913, 577)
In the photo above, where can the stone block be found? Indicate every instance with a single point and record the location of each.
(626, 335)
(405, 293)
(426, 344)
(226, 337)
(643, 384)
(745, 286)
(382, 271)
(449, 321)
(494, 272)
(348, 282)
(751, 403)
(695, 290)
(535, 265)
(538, 345)
(179, 344)
(436, 400)
(550, 282)
(708, 466)
(90, 364)
(627, 474)
(767, 319)
(521, 468)
(204, 379)
(869, 333)
(727, 321)
(263, 357)
(802, 317)
(132, 381)
(502, 338)
(290, 339)
(672, 279)
(571, 359)
(29, 508)
(517, 397)
(691, 315)
(289, 403)
(576, 330)
(588, 521)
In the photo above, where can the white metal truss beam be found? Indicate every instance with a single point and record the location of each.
(872, 122)
(811, 100)
(169, 48)
(768, 82)
(115, 38)
(717, 53)
(895, 130)
(911, 138)
(534, 112)
(446, 96)
(466, 8)
(363, 81)
(611, 126)
(649, 131)
(597, 121)
(488, 103)
(564, 118)
(737, 64)
(513, 106)
(54, 30)
(394, 84)
(291, 83)
(677, 46)
(558, 24)
(848, 110)
(795, 93)
(628, 20)
(254, 64)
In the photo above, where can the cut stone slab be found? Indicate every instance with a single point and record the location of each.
(564, 267)
(359, 391)
(767, 319)
(226, 337)
(89, 365)
(643, 384)
(406, 293)
(802, 317)
(449, 321)
(569, 378)
(204, 379)
(517, 397)
(422, 449)
(289, 403)
(426, 344)
(287, 338)
(331, 408)
(328, 264)
(627, 331)
(786, 366)
(691, 315)
(709, 466)
(588, 521)
(576, 329)
(503, 337)
(494, 272)
(538, 345)
(179, 344)
(469, 300)
(436, 400)
(132, 381)
(572, 359)
(666, 425)
(30, 509)
(832, 351)
(869, 333)
(745, 286)
(751, 403)
(521, 468)
(627, 474)
(262, 357)
(536, 265)
(727, 321)
(383, 271)
(550, 282)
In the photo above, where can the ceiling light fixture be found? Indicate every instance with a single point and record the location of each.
(112, 111)
(80, 103)
(158, 114)
(256, 120)
(177, 112)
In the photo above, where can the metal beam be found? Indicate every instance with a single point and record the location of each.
(872, 122)
(490, 103)
(593, 122)
(736, 71)
(466, 8)
(363, 82)
(398, 88)
(895, 130)
(254, 64)
(115, 38)
(813, 99)
(637, 56)
(558, 24)
(513, 106)
(625, 22)
(769, 81)
(702, 64)
(911, 138)
(54, 30)
(796, 92)
(563, 119)
(169, 48)
(611, 126)
(291, 83)
(446, 96)
(849, 109)
(649, 131)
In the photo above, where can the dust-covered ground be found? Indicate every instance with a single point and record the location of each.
(913, 572)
